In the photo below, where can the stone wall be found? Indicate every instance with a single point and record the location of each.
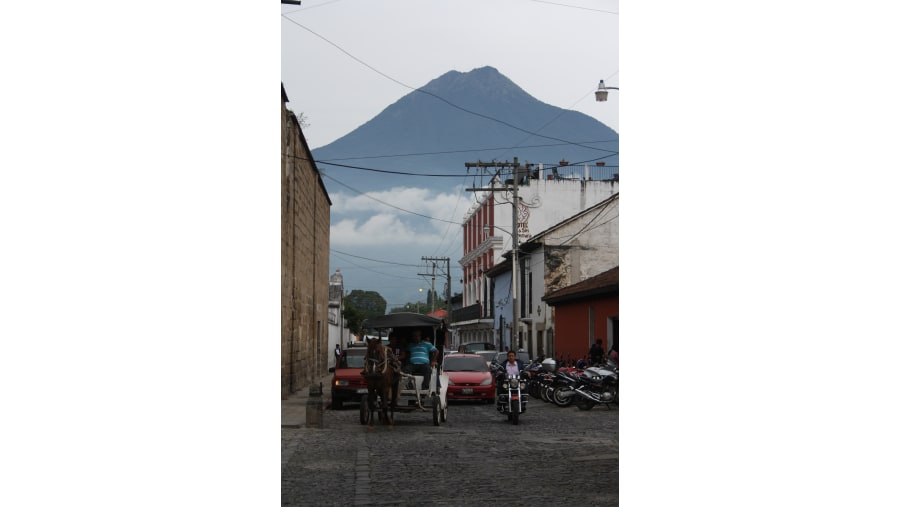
(305, 224)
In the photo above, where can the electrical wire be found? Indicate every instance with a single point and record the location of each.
(387, 204)
(574, 6)
(472, 150)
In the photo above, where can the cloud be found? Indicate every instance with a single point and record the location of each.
(374, 232)
(417, 200)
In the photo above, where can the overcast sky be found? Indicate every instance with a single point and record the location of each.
(344, 61)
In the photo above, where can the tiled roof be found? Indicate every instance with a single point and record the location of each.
(604, 283)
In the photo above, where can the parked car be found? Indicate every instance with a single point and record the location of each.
(469, 378)
(348, 384)
(487, 355)
(470, 348)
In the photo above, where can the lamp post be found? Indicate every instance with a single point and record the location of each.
(601, 94)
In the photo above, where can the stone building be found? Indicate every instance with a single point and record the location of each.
(305, 232)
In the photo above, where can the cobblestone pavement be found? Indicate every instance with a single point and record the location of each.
(561, 455)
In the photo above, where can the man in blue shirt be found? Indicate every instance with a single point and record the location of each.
(422, 357)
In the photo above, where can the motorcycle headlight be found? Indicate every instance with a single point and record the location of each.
(505, 385)
(514, 383)
(486, 382)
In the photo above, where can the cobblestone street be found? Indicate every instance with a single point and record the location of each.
(555, 454)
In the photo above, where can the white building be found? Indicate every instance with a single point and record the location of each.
(545, 200)
(337, 331)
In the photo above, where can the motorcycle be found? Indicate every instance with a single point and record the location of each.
(512, 397)
(598, 385)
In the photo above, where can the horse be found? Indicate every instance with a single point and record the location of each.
(379, 375)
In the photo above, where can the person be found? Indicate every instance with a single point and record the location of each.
(512, 367)
(422, 357)
(596, 352)
(614, 355)
(337, 353)
(394, 352)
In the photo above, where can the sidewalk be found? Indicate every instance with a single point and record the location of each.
(293, 409)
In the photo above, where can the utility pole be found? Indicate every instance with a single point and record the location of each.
(433, 260)
(517, 171)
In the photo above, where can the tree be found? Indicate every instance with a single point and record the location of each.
(367, 303)
(353, 318)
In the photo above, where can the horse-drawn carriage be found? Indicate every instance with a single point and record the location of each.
(392, 390)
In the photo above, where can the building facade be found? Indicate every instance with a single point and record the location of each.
(567, 253)
(338, 334)
(546, 199)
(305, 224)
(586, 312)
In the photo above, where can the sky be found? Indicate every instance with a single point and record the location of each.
(344, 61)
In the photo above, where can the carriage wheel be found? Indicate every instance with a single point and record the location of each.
(364, 409)
(435, 403)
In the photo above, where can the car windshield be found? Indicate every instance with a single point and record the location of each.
(486, 354)
(354, 360)
(452, 363)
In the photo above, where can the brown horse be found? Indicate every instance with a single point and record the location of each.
(379, 375)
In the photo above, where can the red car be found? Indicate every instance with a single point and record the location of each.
(470, 378)
(348, 384)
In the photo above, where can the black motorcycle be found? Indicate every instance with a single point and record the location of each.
(598, 386)
(512, 396)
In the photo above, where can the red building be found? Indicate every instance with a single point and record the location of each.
(584, 312)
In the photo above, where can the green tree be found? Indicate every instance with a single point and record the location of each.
(367, 303)
(353, 317)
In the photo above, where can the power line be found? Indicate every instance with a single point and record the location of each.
(574, 6)
(457, 175)
(389, 205)
(374, 260)
(447, 152)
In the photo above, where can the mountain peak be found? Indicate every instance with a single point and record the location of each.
(463, 116)
(486, 82)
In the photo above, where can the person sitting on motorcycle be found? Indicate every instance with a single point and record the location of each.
(512, 367)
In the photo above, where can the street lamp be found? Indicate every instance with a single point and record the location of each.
(601, 94)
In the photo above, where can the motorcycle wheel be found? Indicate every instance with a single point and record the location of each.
(364, 409)
(545, 393)
(564, 396)
(584, 404)
(515, 417)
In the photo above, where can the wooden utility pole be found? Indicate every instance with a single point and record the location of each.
(433, 260)
(518, 172)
